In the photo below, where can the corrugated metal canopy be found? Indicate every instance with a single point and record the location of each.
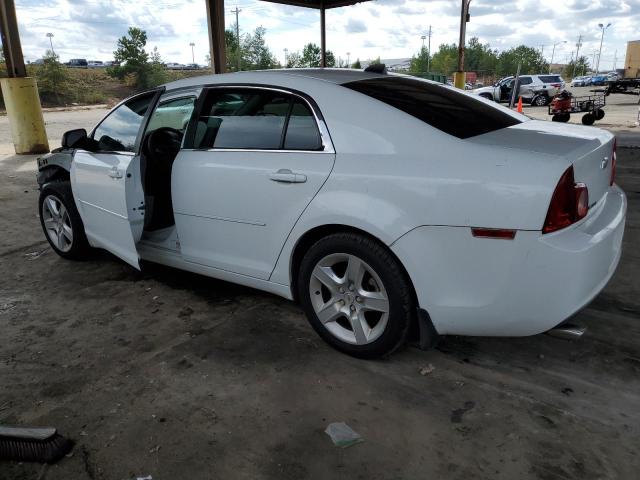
(318, 3)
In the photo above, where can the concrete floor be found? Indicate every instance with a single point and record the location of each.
(178, 376)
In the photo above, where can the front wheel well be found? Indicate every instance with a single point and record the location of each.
(52, 173)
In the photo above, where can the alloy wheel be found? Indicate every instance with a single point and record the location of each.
(349, 298)
(57, 223)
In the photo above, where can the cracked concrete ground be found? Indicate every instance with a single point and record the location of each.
(178, 376)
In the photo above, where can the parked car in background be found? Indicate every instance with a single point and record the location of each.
(175, 66)
(95, 64)
(110, 63)
(582, 81)
(599, 80)
(77, 63)
(534, 89)
(466, 218)
(39, 61)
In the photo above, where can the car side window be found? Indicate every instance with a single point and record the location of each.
(525, 80)
(244, 119)
(254, 119)
(174, 114)
(119, 131)
(302, 130)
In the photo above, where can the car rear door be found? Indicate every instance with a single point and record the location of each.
(254, 158)
(106, 181)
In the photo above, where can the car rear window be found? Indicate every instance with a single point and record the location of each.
(446, 109)
(550, 78)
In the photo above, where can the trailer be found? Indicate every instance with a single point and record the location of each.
(628, 86)
(564, 104)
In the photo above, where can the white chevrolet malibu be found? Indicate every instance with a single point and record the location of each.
(389, 207)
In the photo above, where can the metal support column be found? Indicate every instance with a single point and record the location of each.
(323, 37)
(459, 75)
(215, 21)
(19, 91)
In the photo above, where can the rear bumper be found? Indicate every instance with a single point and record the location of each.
(525, 286)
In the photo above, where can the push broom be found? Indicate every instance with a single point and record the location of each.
(43, 445)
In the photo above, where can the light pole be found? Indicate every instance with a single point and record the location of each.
(348, 57)
(603, 28)
(193, 55)
(423, 37)
(553, 53)
(286, 57)
(50, 35)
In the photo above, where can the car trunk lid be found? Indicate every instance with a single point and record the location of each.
(588, 149)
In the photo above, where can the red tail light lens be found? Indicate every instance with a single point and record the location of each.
(569, 203)
(614, 157)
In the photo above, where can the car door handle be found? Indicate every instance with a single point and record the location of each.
(115, 173)
(284, 175)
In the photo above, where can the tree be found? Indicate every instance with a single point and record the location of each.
(293, 60)
(133, 58)
(131, 48)
(52, 78)
(576, 68)
(479, 57)
(420, 63)
(530, 60)
(310, 55)
(356, 64)
(255, 53)
(445, 60)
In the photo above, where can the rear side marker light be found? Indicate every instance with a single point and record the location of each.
(614, 158)
(499, 233)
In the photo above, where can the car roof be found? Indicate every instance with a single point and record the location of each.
(337, 76)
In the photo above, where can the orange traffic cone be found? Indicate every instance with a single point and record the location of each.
(519, 104)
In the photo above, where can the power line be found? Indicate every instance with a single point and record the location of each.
(237, 11)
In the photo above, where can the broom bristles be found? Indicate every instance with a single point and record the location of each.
(26, 450)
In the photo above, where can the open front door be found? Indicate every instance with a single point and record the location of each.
(106, 181)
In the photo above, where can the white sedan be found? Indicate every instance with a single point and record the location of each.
(389, 207)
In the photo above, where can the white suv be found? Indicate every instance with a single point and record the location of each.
(535, 89)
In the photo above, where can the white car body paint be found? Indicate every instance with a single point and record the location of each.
(415, 188)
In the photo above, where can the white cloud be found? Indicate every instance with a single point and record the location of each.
(385, 28)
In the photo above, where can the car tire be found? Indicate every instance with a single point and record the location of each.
(487, 96)
(61, 222)
(356, 295)
(588, 119)
(540, 100)
(599, 114)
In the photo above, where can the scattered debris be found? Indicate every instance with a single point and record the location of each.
(427, 370)
(34, 255)
(342, 435)
(155, 449)
(567, 391)
(185, 312)
(146, 477)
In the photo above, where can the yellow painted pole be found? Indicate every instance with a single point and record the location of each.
(459, 79)
(25, 115)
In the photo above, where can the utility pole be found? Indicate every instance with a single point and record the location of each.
(459, 76)
(429, 51)
(348, 58)
(603, 28)
(578, 45)
(237, 11)
(50, 35)
(553, 53)
(286, 57)
(193, 55)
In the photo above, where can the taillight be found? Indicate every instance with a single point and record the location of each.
(614, 156)
(569, 203)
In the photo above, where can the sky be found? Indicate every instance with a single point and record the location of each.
(385, 28)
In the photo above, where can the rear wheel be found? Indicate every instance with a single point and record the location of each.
(540, 100)
(61, 222)
(356, 295)
(588, 119)
(599, 114)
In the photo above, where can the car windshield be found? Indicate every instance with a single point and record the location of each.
(447, 109)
